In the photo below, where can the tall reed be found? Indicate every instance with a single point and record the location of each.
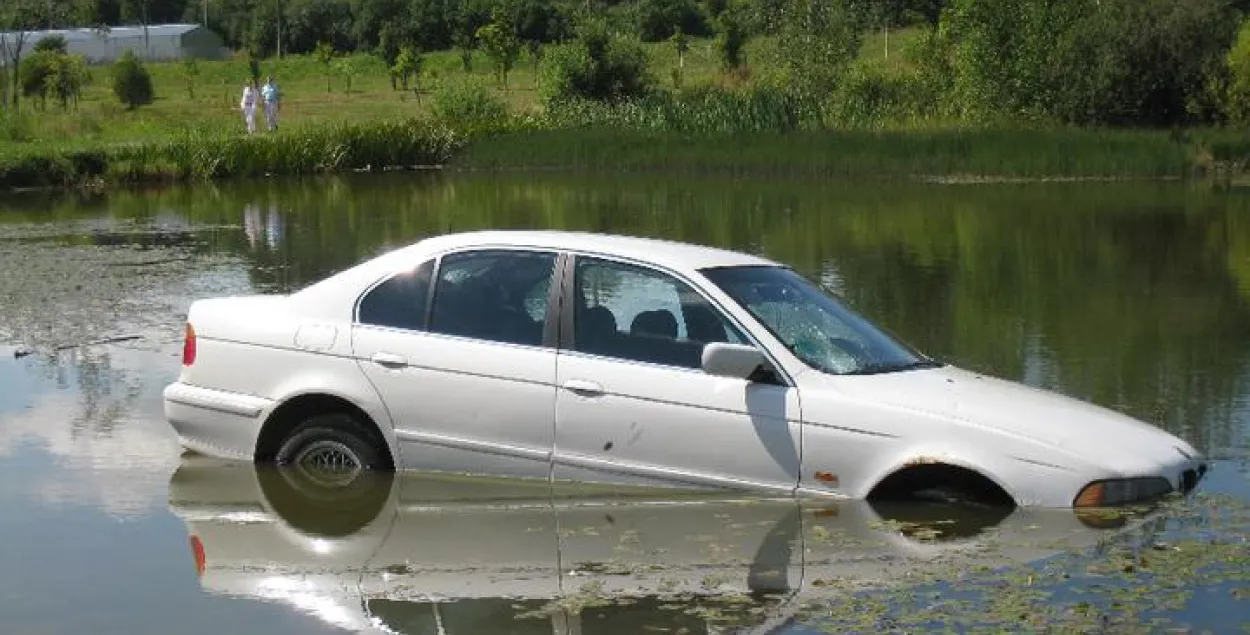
(199, 154)
(844, 153)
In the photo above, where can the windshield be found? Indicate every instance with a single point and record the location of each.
(820, 330)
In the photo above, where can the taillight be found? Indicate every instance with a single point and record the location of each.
(197, 549)
(188, 346)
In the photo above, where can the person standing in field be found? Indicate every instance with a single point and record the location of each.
(272, 97)
(248, 105)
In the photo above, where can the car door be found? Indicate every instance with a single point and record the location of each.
(460, 351)
(634, 405)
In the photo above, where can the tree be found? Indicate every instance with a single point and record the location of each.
(19, 18)
(325, 56)
(69, 76)
(1237, 103)
(470, 16)
(597, 65)
(657, 19)
(52, 44)
(131, 82)
(34, 73)
(731, 39)
(819, 39)
(535, 22)
(190, 73)
(346, 68)
(1014, 58)
(138, 10)
(681, 44)
(502, 47)
(407, 67)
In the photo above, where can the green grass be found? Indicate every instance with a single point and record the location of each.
(860, 153)
(305, 149)
(196, 131)
(314, 94)
(100, 120)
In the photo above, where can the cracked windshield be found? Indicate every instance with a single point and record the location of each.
(794, 317)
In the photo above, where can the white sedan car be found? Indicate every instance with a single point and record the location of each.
(633, 362)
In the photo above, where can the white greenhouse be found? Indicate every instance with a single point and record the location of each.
(162, 42)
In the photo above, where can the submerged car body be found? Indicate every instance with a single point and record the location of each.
(606, 359)
(426, 554)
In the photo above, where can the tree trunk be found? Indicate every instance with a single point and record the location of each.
(15, 62)
(4, 88)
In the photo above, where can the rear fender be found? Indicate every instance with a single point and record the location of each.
(341, 377)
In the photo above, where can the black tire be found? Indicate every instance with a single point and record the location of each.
(335, 440)
(331, 476)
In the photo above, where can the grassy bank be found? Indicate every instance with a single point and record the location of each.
(921, 153)
(863, 153)
(204, 155)
(719, 123)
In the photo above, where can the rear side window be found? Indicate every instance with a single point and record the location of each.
(400, 302)
(498, 296)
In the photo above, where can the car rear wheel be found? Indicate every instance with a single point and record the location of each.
(331, 449)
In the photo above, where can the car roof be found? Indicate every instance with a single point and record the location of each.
(666, 253)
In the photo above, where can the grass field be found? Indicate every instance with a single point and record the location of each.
(315, 94)
(194, 130)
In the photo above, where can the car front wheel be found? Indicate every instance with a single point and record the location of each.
(331, 448)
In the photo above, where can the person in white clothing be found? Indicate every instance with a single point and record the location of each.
(272, 97)
(248, 105)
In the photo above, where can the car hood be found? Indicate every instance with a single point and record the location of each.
(1098, 435)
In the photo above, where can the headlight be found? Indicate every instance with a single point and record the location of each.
(1121, 491)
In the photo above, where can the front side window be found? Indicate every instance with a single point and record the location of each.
(498, 295)
(399, 302)
(817, 328)
(631, 312)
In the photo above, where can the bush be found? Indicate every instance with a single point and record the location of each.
(598, 66)
(819, 39)
(34, 71)
(131, 82)
(731, 39)
(48, 73)
(1237, 104)
(870, 96)
(15, 126)
(1016, 58)
(52, 44)
(468, 104)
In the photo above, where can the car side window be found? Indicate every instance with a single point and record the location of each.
(635, 313)
(497, 295)
(399, 302)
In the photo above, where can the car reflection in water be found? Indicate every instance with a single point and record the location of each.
(450, 555)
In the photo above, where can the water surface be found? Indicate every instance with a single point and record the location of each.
(1135, 296)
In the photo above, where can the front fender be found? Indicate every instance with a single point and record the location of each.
(1030, 483)
(931, 455)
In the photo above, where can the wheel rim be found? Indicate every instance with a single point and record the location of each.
(328, 463)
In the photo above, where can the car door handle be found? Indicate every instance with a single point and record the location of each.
(389, 360)
(583, 387)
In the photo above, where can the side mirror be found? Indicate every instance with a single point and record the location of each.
(733, 360)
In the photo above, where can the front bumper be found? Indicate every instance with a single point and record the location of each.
(215, 423)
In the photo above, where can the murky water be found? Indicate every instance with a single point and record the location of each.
(1135, 296)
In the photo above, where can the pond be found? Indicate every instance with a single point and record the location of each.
(1135, 296)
